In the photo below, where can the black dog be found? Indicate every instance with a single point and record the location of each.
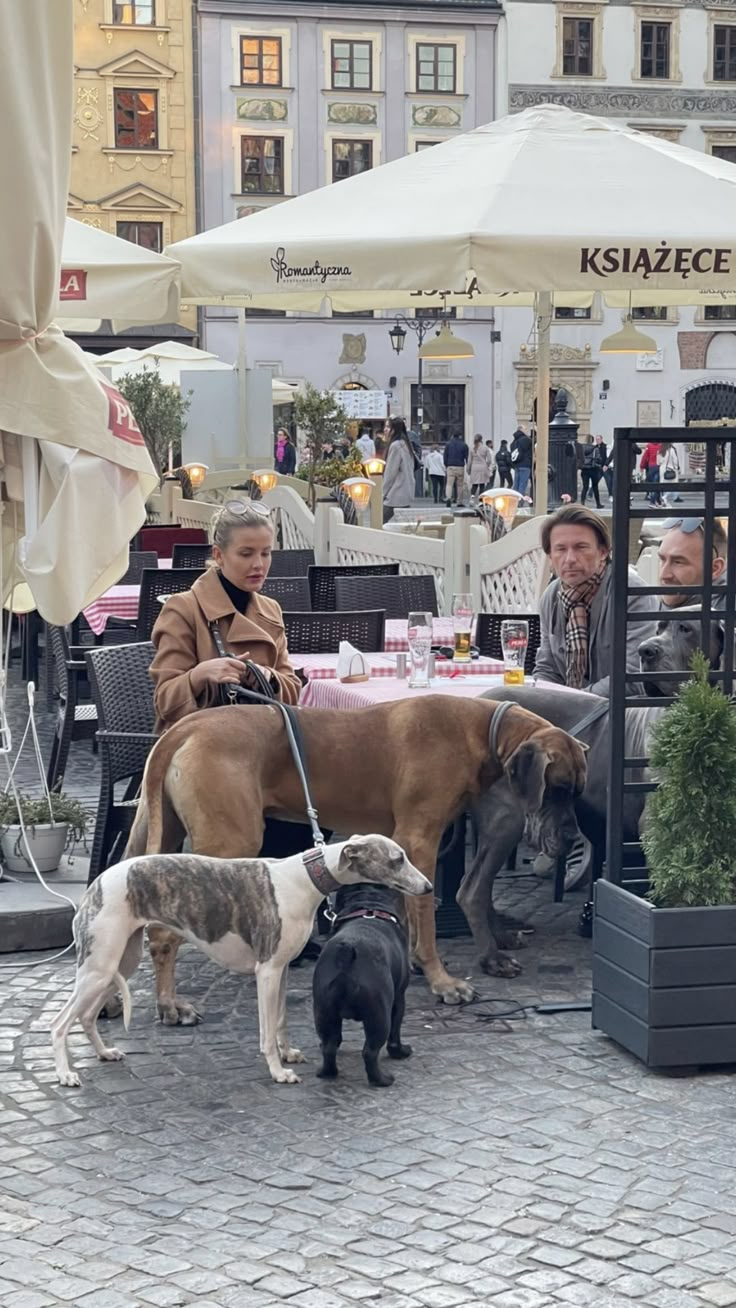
(362, 975)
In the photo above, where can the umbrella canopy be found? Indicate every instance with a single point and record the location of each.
(282, 392)
(169, 360)
(103, 276)
(74, 466)
(545, 200)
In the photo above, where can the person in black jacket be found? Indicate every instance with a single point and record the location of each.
(591, 471)
(504, 465)
(288, 458)
(456, 457)
(521, 458)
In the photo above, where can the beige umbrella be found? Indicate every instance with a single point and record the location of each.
(100, 272)
(75, 469)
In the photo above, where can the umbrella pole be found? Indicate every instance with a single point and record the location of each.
(242, 424)
(544, 321)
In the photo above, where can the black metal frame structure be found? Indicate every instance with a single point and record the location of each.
(624, 861)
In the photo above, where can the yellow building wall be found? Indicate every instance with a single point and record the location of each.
(111, 185)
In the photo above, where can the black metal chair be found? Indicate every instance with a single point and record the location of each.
(322, 579)
(488, 636)
(74, 720)
(399, 596)
(321, 633)
(155, 583)
(137, 561)
(290, 592)
(123, 694)
(291, 563)
(191, 556)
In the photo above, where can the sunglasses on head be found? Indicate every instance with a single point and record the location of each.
(688, 525)
(246, 506)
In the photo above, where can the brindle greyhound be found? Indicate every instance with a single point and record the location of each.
(405, 769)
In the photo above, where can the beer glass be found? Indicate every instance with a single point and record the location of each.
(420, 644)
(462, 620)
(514, 642)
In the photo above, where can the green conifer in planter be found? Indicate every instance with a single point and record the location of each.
(46, 839)
(690, 832)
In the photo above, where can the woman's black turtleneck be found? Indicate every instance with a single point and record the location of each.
(240, 598)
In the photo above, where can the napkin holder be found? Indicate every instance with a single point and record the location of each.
(351, 664)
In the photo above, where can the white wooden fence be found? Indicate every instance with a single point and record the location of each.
(508, 575)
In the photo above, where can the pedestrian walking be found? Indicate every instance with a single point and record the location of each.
(398, 476)
(479, 468)
(521, 458)
(455, 457)
(435, 466)
(492, 479)
(649, 465)
(591, 471)
(504, 465)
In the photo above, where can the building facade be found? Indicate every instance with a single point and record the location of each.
(664, 68)
(133, 157)
(298, 94)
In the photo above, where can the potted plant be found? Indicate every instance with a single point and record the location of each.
(664, 967)
(50, 825)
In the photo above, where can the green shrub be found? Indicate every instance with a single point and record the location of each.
(35, 810)
(690, 830)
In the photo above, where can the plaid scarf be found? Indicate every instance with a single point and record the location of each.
(576, 603)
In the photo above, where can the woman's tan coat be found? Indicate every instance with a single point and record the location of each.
(183, 639)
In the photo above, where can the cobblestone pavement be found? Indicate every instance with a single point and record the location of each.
(518, 1163)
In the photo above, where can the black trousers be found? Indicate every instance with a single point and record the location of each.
(438, 485)
(591, 478)
(505, 479)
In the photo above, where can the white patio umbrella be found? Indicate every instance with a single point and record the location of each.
(74, 465)
(544, 201)
(169, 360)
(282, 392)
(103, 276)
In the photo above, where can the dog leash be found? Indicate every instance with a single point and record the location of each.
(588, 720)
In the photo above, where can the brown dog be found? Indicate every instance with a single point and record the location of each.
(405, 769)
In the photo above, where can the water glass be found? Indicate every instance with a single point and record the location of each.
(420, 644)
(514, 643)
(462, 620)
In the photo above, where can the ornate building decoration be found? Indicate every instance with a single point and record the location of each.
(87, 115)
(353, 348)
(338, 112)
(622, 101)
(435, 115)
(262, 111)
(569, 367)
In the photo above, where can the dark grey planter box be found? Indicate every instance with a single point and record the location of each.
(664, 979)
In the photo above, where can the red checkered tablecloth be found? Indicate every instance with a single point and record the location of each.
(117, 602)
(323, 667)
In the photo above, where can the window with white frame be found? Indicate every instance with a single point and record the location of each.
(136, 119)
(350, 158)
(134, 13)
(655, 42)
(724, 53)
(577, 46)
(261, 61)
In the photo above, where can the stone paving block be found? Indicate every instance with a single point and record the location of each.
(720, 1293)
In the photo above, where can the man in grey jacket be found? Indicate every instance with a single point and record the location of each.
(576, 612)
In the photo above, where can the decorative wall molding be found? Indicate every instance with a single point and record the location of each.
(339, 112)
(435, 115)
(621, 101)
(262, 111)
(353, 348)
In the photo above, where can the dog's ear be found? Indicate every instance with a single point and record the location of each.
(717, 641)
(526, 772)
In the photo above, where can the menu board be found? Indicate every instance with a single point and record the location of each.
(363, 404)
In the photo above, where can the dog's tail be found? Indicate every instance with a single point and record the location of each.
(122, 986)
(344, 956)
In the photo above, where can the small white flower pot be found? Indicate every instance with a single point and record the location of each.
(46, 843)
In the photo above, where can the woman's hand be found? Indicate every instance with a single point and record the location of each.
(217, 672)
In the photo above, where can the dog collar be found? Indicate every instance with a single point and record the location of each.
(498, 716)
(316, 869)
(367, 912)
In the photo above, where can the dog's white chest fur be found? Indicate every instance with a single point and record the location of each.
(229, 951)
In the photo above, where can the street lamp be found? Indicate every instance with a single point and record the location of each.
(265, 479)
(397, 335)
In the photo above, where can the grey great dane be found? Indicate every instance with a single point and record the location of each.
(499, 823)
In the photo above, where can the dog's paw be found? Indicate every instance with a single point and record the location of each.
(111, 1055)
(451, 990)
(502, 965)
(291, 1055)
(176, 1012)
(286, 1077)
(398, 1051)
(69, 1078)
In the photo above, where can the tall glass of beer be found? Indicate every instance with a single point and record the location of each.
(514, 643)
(462, 619)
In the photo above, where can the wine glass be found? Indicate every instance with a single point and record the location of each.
(420, 643)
